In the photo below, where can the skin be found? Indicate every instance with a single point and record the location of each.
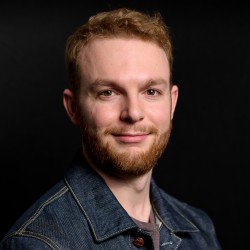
(125, 89)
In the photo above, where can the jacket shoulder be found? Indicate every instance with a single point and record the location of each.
(28, 227)
(195, 215)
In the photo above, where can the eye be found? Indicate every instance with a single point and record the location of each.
(152, 92)
(107, 92)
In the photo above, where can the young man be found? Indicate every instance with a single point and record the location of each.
(122, 98)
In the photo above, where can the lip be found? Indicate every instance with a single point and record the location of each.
(131, 137)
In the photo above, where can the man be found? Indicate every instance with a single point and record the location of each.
(122, 98)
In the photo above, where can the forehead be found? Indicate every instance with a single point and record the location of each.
(123, 58)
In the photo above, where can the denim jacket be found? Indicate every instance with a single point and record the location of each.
(81, 212)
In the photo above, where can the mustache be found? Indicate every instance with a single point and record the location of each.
(131, 129)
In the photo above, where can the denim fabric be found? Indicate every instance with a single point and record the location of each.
(80, 212)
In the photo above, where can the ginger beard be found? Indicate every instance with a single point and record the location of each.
(123, 165)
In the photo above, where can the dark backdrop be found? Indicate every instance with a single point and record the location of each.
(207, 161)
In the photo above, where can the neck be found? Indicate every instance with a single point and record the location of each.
(132, 194)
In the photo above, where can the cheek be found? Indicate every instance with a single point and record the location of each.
(160, 116)
(100, 116)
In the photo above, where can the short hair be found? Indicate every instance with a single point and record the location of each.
(122, 22)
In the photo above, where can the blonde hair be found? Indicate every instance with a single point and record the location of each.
(121, 22)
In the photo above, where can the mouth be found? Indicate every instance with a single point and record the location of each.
(131, 137)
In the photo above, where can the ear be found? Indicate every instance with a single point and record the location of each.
(71, 106)
(174, 97)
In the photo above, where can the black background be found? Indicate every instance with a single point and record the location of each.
(207, 161)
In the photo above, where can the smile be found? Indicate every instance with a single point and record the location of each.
(131, 138)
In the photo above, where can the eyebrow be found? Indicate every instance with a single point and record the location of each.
(107, 83)
(159, 81)
(102, 82)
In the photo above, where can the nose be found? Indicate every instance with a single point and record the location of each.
(132, 110)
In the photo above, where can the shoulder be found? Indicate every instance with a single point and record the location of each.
(181, 218)
(27, 232)
(195, 215)
(23, 242)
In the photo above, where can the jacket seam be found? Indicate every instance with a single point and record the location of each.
(78, 202)
(40, 209)
(40, 237)
(171, 228)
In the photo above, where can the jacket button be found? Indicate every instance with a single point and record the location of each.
(138, 242)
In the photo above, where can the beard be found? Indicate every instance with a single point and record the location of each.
(126, 164)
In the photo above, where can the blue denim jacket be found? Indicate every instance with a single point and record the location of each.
(81, 212)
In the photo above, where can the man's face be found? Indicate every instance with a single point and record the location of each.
(125, 105)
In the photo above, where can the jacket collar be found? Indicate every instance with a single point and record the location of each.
(103, 211)
(167, 209)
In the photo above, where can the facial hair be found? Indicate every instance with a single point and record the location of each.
(125, 165)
